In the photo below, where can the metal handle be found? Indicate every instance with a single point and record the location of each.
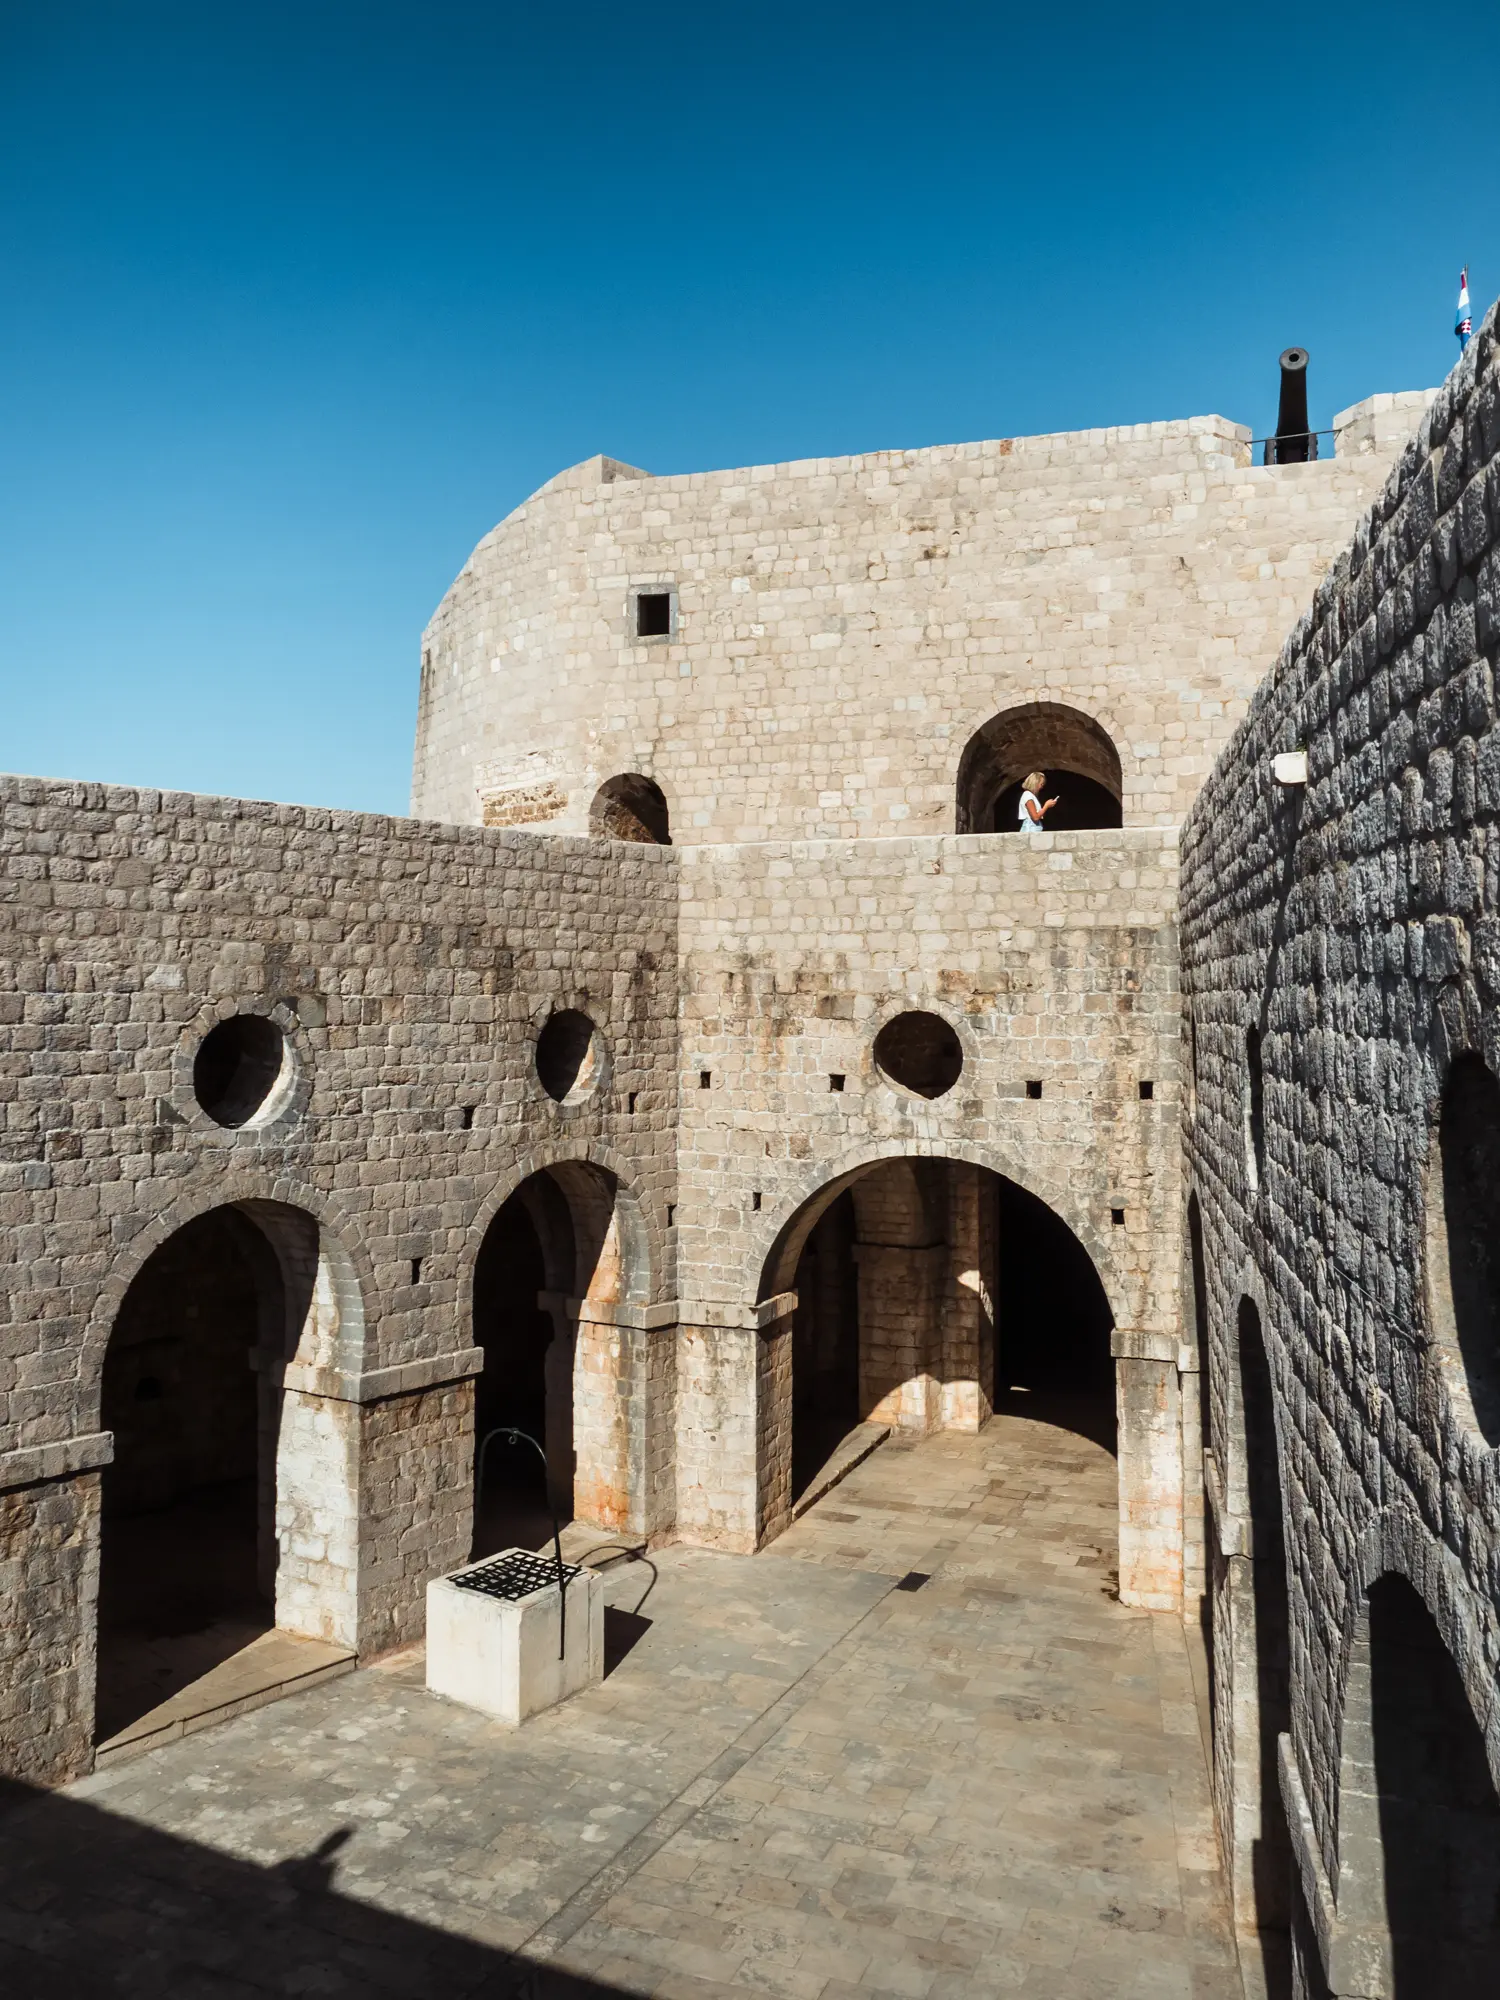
(525, 1437)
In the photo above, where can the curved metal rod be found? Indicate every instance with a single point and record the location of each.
(525, 1437)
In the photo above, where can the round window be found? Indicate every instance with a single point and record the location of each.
(921, 1053)
(238, 1067)
(568, 1055)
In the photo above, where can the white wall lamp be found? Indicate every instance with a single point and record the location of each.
(1289, 767)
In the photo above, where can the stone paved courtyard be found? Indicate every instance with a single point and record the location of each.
(798, 1780)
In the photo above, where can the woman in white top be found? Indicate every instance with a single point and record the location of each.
(1033, 810)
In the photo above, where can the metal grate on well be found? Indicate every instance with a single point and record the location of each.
(515, 1575)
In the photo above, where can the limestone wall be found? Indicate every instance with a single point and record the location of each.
(1054, 960)
(844, 625)
(1354, 927)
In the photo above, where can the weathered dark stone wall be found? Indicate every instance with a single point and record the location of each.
(1355, 927)
(411, 967)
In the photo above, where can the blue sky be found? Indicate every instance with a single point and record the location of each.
(301, 298)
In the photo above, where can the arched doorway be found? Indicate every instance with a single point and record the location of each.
(928, 1293)
(548, 1271)
(1270, 1619)
(631, 807)
(1419, 1819)
(1081, 764)
(231, 1502)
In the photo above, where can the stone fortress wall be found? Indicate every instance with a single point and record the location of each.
(842, 635)
(843, 627)
(1341, 965)
(409, 967)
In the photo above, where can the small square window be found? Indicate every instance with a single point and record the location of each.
(835, 1081)
(631, 1100)
(1148, 1090)
(755, 1199)
(468, 1117)
(1034, 1087)
(1117, 1217)
(653, 614)
(671, 1215)
(416, 1270)
(705, 1079)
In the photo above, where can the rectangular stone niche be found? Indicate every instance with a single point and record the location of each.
(492, 1634)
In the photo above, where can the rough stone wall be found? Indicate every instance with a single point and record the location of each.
(1054, 960)
(843, 626)
(1355, 926)
(411, 967)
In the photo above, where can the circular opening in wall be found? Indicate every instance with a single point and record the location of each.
(920, 1052)
(238, 1067)
(568, 1055)
(1463, 1237)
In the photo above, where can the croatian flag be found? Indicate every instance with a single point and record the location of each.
(1463, 325)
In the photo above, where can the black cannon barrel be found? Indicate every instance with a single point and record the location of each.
(1293, 444)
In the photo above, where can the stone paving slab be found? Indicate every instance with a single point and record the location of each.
(799, 1780)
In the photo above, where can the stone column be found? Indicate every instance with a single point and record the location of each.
(967, 1370)
(1150, 1462)
(901, 1296)
(624, 1375)
(734, 1422)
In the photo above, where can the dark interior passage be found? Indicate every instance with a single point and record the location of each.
(187, 1544)
(825, 1343)
(1082, 803)
(1053, 1322)
(516, 1333)
(1272, 1853)
(1438, 1813)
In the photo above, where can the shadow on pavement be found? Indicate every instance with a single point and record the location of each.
(94, 1904)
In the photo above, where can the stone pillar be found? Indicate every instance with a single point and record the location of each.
(624, 1377)
(901, 1298)
(1149, 1417)
(49, 1586)
(967, 1370)
(734, 1422)
(374, 1496)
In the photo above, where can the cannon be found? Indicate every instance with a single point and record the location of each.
(1294, 443)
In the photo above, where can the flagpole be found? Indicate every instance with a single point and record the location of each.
(1463, 325)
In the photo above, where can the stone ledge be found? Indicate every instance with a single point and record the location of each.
(1138, 1343)
(375, 1384)
(32, 1463)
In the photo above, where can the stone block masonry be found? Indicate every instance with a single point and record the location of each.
(843, 626)
(409, 968)
(1343, 1013)
(302, 1047)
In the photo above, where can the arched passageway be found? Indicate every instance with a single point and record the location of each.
(1081, 764)
(550, 1260)
(231, 1502)
(1270, 1619)
(1419, 1819)
(929, 1292)
(187, 1551)
(631, 807)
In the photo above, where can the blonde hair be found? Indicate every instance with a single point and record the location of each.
(1033, 781)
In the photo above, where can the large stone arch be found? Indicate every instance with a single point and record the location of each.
(1048, 735)
(226, 1351)
(348, 1284)
(776, 1243)
(639, 1246)
(606, 1382)
(1364, 1850)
